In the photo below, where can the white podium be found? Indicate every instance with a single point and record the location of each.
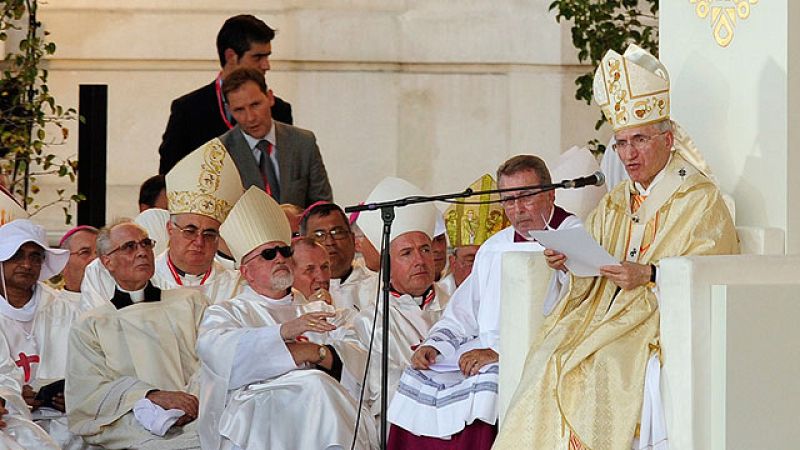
(730, 334)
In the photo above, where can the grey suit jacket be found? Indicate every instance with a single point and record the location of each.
(302, 174)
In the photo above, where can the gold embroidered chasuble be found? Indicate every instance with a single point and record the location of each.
(584, 375)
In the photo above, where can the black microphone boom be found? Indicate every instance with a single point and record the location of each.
(595, 179)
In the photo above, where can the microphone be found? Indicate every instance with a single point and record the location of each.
(595, 179)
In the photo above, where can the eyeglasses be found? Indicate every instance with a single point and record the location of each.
(337, 234)
(84, 253)
(191, 233)
(129, 247)
(638, 141)
(271, 253)
(525, 198)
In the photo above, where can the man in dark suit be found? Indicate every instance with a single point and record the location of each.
(281, 159)
(201, 115)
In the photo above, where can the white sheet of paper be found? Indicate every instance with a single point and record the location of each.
(584, 254)
(451, 364)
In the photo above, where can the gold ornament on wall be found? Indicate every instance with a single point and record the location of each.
(723, 15)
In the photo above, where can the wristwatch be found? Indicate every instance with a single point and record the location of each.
(323, 353)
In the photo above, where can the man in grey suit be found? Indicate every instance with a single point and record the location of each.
(282, 159)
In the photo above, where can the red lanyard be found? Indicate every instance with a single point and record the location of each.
(177, 277)
(221, 102)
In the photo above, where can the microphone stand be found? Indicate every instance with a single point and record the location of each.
(388, 214)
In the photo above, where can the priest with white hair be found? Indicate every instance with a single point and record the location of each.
(267, 356)
(34, 326)
(591, 379)
(132, 361)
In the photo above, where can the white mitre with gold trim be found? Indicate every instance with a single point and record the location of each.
(10, 209)
(417, 217)
(255, 220)
(632, 89)
(204, 182)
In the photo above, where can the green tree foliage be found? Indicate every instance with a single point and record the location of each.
(602, 25)
(30, 119)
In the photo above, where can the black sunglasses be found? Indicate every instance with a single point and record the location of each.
(270, 253)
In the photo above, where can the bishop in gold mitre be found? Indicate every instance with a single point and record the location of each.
(597, 356)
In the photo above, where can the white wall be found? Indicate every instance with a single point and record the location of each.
(739, 105)
(436, 92)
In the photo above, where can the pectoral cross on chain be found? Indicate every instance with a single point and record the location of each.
(25, 362)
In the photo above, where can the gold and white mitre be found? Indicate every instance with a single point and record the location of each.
(255, 220)
(416, 217)
(632, 89)
(10, 209)
(206, 181)
(468, 224)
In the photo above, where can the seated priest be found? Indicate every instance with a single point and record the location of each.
(591, 378)
(132, 359)
(312, 269)
(34, 327)
(195, 185)
(415, 302)
(274, 375)
(80, 242)
(351, 281)
(465, 342)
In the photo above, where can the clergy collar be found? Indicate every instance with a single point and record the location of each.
(641, 190)
(252, 141)
(123, 298)
(24, 314)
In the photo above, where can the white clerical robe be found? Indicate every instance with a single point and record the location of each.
(440, 404)
(118, 356)
(410, 319)
(357, 291)
(33, 352)
(448, 283)
(221, 284)
(254, 395)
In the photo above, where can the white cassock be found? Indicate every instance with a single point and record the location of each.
(253, 394)
(410, 319)
(33, 351)
(440, 404)
(220, 284)
(357, 291)
(117, 356)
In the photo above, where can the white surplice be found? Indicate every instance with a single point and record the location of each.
(254, 395)
(220, 285)
(357, 291)
(118, 356)
(409, 324)
(438, 404)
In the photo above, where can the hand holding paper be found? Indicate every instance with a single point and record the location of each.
(584, 255)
